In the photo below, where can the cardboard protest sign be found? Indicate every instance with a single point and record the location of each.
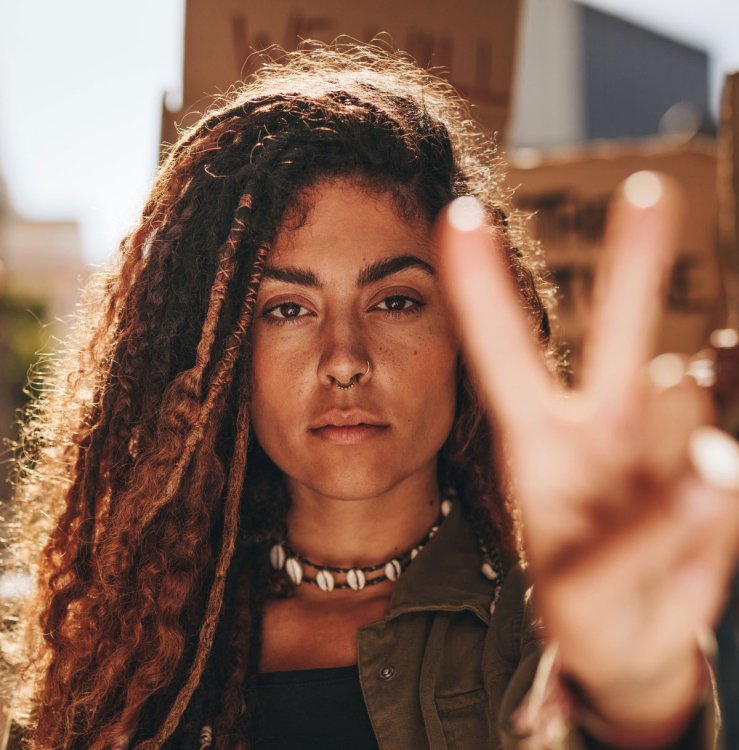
(473, 39)
(568, 193)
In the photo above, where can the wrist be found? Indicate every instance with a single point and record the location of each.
(627, 723)
(641, 714)
(558, 701)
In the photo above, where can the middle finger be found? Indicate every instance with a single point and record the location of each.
(639, 249)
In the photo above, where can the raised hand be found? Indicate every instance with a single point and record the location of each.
(630, 501)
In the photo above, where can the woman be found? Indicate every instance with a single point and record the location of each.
(281, 517)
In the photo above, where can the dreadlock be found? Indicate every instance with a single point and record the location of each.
(160, 503)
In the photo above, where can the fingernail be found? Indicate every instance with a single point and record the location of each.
(643, 189)
(667, 370)
(703, 371)
(466, 214)
(724, 338)
(715, 456)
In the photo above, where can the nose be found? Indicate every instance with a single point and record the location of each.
(345, 361)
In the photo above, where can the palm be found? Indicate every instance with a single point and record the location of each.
(630, 548)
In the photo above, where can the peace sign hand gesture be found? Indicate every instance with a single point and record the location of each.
(630, 502)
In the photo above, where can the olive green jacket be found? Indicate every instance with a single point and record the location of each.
(440, 672)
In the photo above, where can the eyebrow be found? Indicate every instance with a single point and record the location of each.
(368, 275)
(381, 268)
(292, 275)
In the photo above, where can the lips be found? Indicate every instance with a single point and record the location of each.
(353, 418)
(348, 427)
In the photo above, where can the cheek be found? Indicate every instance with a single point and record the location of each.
(429, 386)
(277, 388)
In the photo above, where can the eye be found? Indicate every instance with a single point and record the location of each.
(285, 312)
(398, 304)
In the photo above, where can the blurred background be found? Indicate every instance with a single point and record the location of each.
(581, 94)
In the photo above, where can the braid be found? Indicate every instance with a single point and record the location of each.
(134, 407)
(233, 496)
(244, 636)
(229, 677)
(184, 391)
(233, 700)
(226, 267)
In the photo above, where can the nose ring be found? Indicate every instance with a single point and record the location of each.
(354, 378)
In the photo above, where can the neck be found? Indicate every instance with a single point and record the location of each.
(364, 531)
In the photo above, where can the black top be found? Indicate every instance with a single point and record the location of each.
(312, 709)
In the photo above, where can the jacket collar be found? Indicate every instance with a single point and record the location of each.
(446, 574)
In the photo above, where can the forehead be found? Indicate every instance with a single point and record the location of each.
(342, 223)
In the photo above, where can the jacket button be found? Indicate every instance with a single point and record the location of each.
(387, 672)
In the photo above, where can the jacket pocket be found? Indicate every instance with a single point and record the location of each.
(464, 720)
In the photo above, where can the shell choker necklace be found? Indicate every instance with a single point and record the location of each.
(329, 578)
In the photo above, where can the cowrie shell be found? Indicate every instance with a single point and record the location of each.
(488, 571)
(356, 579)
(393, 570)
(414, 552)
(446, 507)
(325, 580)
(277, 557)
(206, 737)
(294, 570)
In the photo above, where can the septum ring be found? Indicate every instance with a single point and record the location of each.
(354, 378)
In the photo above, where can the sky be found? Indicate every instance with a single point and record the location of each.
(82, 81)
(81, 86)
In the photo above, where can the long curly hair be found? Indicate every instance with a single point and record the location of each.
(154, 504)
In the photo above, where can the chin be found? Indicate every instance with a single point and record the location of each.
(349, 489)
(355, 473)
(356, 482)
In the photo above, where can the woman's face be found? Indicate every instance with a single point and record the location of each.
(353, 286)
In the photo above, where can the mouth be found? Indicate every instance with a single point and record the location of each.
(349, 434)
(347, 428)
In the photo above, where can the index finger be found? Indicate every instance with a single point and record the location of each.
(497, 335)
